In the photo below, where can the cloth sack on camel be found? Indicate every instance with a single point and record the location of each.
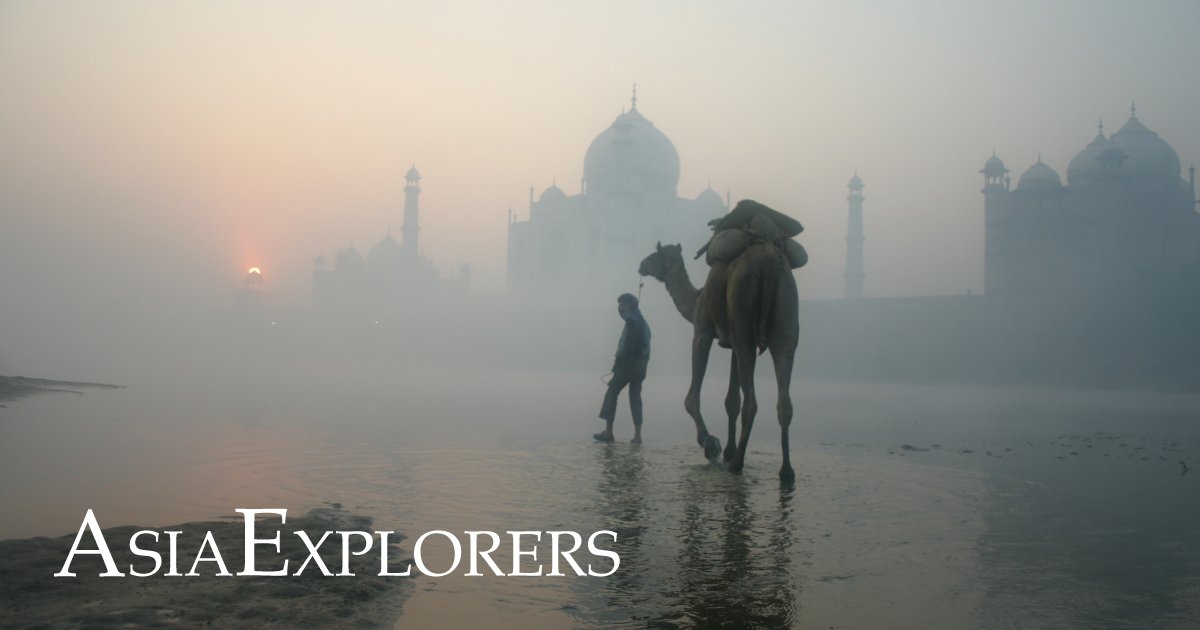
(743, 213)
(748, 223)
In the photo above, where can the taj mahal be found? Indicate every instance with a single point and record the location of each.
(628, 200)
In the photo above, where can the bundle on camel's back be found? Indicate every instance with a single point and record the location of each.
(749, 224)
(748, 303)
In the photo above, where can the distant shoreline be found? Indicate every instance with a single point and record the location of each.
(18, 387)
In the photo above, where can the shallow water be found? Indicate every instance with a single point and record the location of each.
(913, 506)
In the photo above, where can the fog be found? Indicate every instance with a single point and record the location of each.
(153, 153)
(214, 207)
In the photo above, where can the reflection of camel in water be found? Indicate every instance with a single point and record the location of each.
(723, 556)
(751, 305)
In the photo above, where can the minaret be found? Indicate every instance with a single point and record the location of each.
(995, 200)
(1192, 182)
(412, 192)
(855, 274)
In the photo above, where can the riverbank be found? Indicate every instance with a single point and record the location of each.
(18, 387)
(32, 597)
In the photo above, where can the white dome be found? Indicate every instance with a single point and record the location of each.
(552, 194)
(1088, 160)
(384, 255)
(1147, 152)
(1039, 175)
(349, 260)
(1144, 153)
(631, 156)
(710, 197)
(994, 166)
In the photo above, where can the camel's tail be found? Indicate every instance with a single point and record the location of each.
(768, 286)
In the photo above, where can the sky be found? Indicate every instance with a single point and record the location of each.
(152, 152)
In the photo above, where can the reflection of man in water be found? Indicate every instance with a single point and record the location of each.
(629, 368)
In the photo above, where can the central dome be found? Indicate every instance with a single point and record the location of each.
(384, 255)
(1142, 152)
(631, 156)
(1147, 152)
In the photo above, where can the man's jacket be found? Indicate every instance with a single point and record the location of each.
(633, 350)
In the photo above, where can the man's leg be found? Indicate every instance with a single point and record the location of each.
(608, 409)
(635, 408)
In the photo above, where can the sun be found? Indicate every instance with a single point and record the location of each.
(255, 270)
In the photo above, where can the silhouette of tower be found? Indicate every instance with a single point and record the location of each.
(855, 274)
(1192, 182)
(995, 199)
(410, 229)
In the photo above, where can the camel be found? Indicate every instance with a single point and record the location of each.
(749, 304)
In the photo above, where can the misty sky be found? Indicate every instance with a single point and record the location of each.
(152, 152)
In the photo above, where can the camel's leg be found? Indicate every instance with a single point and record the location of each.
(783, 359)
(746, 355)
(733, 401)
(701, 345)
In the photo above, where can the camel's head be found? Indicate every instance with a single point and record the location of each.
(655, 265)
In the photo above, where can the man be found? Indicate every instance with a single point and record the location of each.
(629, 368)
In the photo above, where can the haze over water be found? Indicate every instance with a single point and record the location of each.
(925, 505)
(153, 153)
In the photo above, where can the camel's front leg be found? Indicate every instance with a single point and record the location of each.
(701, 345)
(733, 402)
(783, 377)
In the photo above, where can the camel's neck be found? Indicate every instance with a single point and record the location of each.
(683, 293)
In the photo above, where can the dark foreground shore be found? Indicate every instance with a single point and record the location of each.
(30, 597)
(17, 387)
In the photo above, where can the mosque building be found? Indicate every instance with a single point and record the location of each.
(1124, 224)
(1091, 281)
(392, 277)
(591, 243)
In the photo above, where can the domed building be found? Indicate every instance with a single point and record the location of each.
(389, 279)
(591, 243)
(1124, 225)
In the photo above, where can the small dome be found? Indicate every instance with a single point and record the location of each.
(710, 197)
(994, 166)
(384, 254)
(350, 261)
(857, 183)
(1039, 176)
(631, 156)
(412, 174)
(553, 194)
